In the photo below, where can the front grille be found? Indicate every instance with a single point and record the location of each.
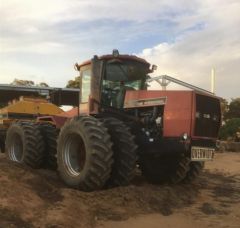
(203, 142)
(207, 116)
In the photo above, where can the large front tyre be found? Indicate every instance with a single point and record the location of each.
(165, 169)
(84, 153)
(195, 170)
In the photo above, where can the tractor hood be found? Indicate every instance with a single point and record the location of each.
(142, 98)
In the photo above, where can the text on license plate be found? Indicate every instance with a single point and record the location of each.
(202, 153)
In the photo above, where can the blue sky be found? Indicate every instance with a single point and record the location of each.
(41, 40)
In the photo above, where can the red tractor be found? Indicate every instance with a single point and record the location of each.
(120, 125)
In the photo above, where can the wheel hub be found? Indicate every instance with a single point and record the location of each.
(16, 149)
(74, 154)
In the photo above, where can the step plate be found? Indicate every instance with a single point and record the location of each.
(202, 153)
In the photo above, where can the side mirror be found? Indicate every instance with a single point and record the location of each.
(154, 67)
(76, 67)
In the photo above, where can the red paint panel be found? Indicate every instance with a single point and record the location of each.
(178, 112)
(121, 57)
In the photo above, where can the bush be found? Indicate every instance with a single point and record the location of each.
(230, 128)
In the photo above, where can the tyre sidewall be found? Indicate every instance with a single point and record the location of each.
(75, 127)
(13, 130)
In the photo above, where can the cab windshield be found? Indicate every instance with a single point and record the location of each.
(134, 85)
(119, 77)
(132, 73)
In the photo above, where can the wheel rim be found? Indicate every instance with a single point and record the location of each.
(74, 154)
(16, 148)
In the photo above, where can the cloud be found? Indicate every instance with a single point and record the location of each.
(191, 55)
(38, 23)
(185, 38)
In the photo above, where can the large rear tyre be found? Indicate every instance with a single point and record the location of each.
(195, 169)
(124, 152)
(84, 153)
(24, 144)
(162, 169)
(49, 134)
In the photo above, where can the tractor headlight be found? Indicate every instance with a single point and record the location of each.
(158, 120)
(185, 136)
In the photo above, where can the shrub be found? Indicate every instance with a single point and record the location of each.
(230, 128)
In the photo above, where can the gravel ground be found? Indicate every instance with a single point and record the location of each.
(37, 198)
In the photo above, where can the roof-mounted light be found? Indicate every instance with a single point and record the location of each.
(115, 53)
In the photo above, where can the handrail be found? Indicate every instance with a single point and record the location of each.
(166, 79)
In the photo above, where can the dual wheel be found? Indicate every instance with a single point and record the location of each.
(91, 153)
(33, 144)
(94, 153)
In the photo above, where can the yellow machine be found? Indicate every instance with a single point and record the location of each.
(25, 108)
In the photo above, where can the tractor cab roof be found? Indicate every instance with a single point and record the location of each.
(116, 55)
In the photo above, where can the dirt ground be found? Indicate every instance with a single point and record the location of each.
(37, 198)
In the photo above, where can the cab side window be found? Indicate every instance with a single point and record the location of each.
(86, 85)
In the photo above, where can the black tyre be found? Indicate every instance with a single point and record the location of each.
(195, 169)
(2, 144)
(164, 169)
(84, 153)
(49, 134)
(24, 144)
(124, 152)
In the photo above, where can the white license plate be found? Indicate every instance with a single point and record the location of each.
(202, 153)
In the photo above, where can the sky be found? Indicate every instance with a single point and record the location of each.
(42, 40)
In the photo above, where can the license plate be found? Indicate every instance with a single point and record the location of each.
(202, 153)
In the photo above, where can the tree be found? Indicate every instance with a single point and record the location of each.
(230, 128)
(233, 109)
(224, 107)
(19, 82)
(74, 83)
(42, 84)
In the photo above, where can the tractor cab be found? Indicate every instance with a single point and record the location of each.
(121, 76)
(105, 80)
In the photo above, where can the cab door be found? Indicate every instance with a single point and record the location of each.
(85, 89)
